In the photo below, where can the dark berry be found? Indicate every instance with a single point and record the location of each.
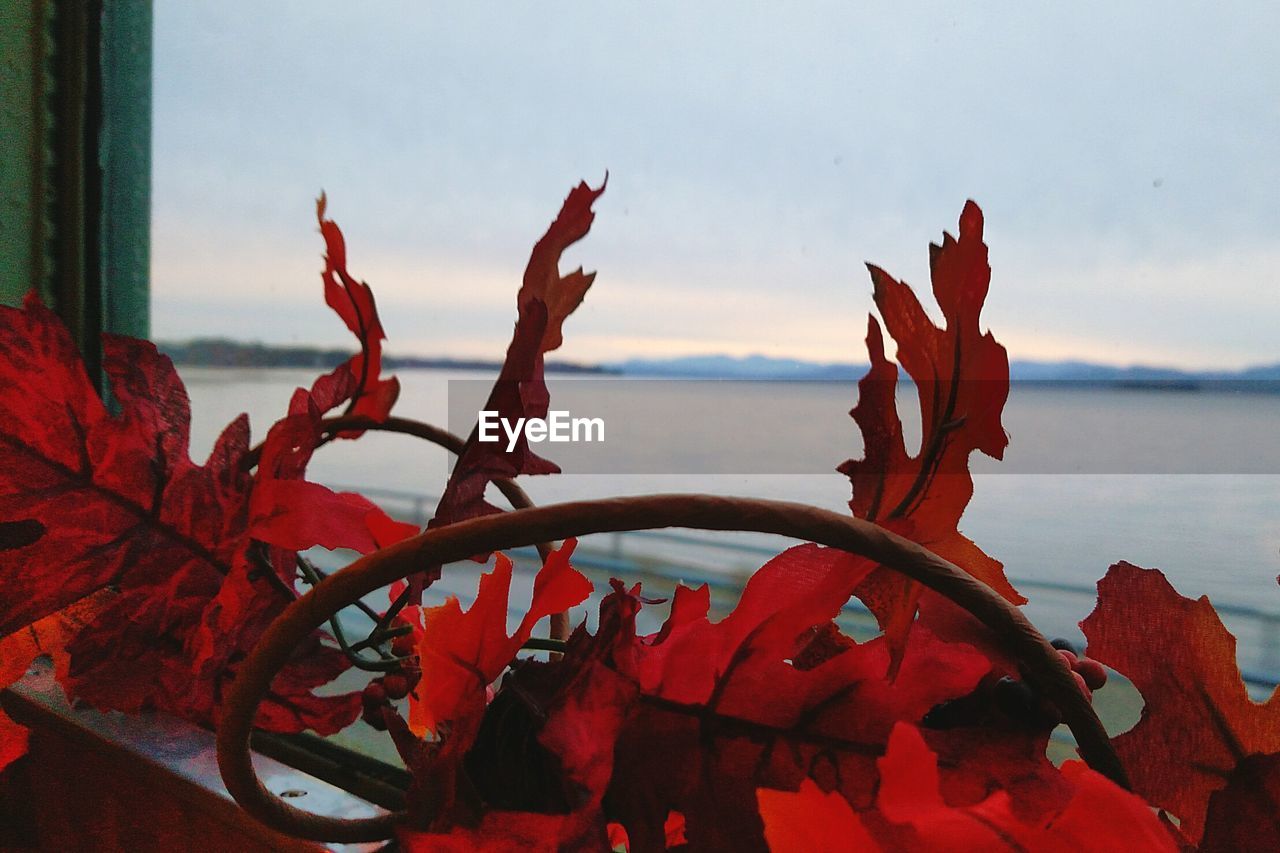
(403, 646)
(1093, 673)
(374, 695)
(395, 685)
(1063, 645)
(1015, 698)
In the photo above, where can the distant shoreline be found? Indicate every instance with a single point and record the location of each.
(217, 352)
(220, 352)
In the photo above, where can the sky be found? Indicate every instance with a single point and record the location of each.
(758, 154)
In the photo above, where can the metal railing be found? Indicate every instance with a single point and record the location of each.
(663, 559)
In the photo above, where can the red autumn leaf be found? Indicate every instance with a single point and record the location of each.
(93, 500)
(753, 662)
(962, 378)
(1198, 722)
(807, 820)
(910, 813)
(371, 396)
(297, 514)
(542, 280)
(1099, 815)
(505, 832)
(291, 515)
(45, 637)
(462, 653)
(118, 500)
(746, 702)
(545, 300)
(1245, 815)
(1004, 755)
(766, 696)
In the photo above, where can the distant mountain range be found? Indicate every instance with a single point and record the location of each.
(765, 367)
(219, 352)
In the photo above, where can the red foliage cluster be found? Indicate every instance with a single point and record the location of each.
(149, 577)
(185, 564)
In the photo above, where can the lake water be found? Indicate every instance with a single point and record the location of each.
(1185, 482)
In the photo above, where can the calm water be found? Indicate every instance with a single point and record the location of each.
(1215, 533)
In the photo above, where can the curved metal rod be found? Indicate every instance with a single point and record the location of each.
(1042, 666)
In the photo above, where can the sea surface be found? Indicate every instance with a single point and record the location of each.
(1187, 482)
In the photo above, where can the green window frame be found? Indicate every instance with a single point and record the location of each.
(75, 178)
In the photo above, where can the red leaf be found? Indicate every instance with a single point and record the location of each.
(462, 653)
(962, 378)
(45, 637)
(296, 515)
(507, 832)
(290, 705)
(808, 820)
(545, 300)
(735, 709)
(292, 515)
(115, 501)
(1099, 816)
(118, 499)
(1198, 723)
(1245, 815)
(352, 300)
(542, 280)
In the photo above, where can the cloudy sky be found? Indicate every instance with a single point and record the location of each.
(758, 153)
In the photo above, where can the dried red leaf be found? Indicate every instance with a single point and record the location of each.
(910, 813)
(734, 713)
(118, 499)
(1245, 815)
(1099, 815)
(962, 378)
(725, 701)
(47, 637)
(507, 832)
(371, 396)
(545, 300)
(808, 819)
(92, 500)
(462, 653)
(542, 280)
(1198, 722)
(297, 514)
(289, 514)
